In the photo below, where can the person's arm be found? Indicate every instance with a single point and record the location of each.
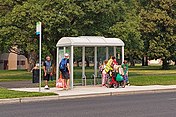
(68, 66)
(127, 70)
(44, 68)
(111, 63)
(51, 67)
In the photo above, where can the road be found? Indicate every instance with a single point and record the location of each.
(138, 105)
(18, 84)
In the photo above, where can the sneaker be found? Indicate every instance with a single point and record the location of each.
(46, 87)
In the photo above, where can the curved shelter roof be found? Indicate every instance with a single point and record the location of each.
(89, 41)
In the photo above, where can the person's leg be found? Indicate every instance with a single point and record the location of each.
(124, 84)
(103, 79)
(65, 83)
(124, 81)
(63, 79)
(127, 81)
(67, 80)
(68, 83)
(46, 81)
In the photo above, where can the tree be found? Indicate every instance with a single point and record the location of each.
(17, 27)
(157, 27)
(127, 28)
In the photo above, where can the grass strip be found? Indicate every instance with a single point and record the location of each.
(5, 93)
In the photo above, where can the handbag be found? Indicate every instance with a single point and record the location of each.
(119, 78)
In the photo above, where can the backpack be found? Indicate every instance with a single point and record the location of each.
(63, 65)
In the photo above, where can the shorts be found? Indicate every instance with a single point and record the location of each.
(65, 75)
(47, 77)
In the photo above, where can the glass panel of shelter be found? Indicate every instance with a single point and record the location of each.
(89, 56)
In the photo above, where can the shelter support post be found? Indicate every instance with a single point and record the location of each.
(57, 65)
(71, 67)
(95, 65)
(64, 50)
(107, 53)
(83, 67)
(115, 52)
(122, 54)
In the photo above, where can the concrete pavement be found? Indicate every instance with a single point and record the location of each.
(88, 91)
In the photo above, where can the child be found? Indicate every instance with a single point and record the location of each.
(125, 69)
(104, 75)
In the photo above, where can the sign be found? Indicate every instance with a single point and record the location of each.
(39, 32)
(38, 28)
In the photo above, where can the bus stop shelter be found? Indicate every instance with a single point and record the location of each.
(83, 42)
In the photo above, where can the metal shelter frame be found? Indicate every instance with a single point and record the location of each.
(87, 41)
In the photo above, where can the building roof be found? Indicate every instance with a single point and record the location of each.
(89, 41)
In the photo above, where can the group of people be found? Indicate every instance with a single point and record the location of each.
(107, 69)
(64, 69)
(110, 68)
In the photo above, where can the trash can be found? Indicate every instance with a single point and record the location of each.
(35, 76)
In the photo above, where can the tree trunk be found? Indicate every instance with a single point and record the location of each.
(145, 61)
(32, 59)
(77, 63)
(54, 55)
(87, 63)
(165, 64)
(132, 62)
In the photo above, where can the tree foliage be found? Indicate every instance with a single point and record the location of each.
(148, 23)
(158, 27)
(127, 29)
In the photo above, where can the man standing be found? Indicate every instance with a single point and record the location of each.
(65, 71)
(47, 67)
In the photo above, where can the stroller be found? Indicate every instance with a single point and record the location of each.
(112, 83)
(115, 78)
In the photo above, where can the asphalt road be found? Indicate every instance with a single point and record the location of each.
(18, 84)
(139, 105)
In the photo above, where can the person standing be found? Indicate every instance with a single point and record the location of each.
(65, 71)
(110, 65)
(104, 74)
(47, 67)
(125, 70)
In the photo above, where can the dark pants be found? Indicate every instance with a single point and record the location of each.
(48, 77)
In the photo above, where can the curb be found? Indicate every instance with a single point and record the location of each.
(28, 99)
(57, 97)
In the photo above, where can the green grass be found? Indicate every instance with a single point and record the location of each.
(5, 93)
(14, 75)
(152, 75)
(153, 80)
(138, 75)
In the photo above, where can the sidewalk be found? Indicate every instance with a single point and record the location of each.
(88, 91)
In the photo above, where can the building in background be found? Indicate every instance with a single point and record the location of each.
(12, 61)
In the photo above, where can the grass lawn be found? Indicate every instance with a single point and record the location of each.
(5, 93)
(14, 75)
(152, 75)
(138, 75)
